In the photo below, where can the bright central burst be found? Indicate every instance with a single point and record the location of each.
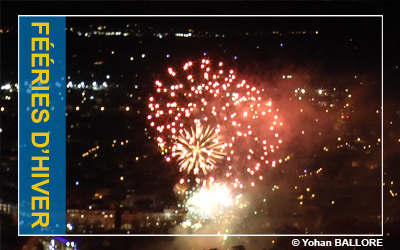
(212, 202)
(209, 200)
(198, 149)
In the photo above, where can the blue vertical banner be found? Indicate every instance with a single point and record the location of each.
(41, 131)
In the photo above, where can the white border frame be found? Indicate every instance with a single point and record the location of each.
(221, 235)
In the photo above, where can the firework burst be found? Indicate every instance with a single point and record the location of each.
(200, 149)
(207, 119)
(212, 202)
(209, 200)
